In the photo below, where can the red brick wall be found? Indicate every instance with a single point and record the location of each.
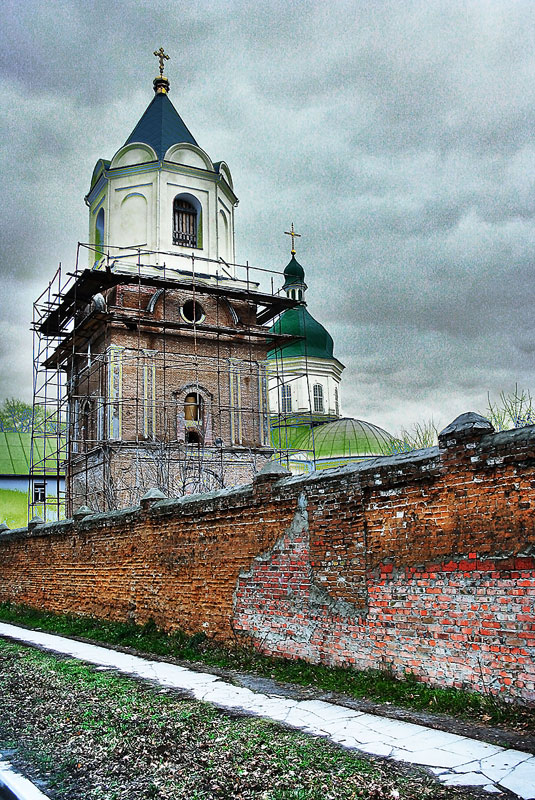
(421, 562)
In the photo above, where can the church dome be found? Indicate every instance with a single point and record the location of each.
(316, 342)
(293, 273)
(344, 439)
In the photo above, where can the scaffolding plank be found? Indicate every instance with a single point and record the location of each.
(90, 282)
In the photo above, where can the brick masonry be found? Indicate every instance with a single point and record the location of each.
(130, 368)
(422, 562)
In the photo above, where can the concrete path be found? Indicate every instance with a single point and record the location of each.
(455, 760)
(16, 785)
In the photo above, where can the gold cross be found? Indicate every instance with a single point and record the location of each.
(161, 55)
(293, 234)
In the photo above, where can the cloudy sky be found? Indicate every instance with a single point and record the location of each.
(398, 136)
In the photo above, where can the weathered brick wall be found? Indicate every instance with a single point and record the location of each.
(421, 562)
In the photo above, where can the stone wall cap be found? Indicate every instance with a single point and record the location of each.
(4, 527)
(170, 503)
(113, 515)
(272, 469)
(83, 511)
(466, 424)
(418, 458)
(154, 494)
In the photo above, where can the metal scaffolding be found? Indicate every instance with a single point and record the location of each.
(136, 386)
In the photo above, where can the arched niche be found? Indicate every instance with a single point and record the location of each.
(189, 155)
(194, 414)
(99, 235)
(133, 220)
(131, 154)
(223, 234)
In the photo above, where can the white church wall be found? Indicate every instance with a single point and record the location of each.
(300, 375)
(137, 198)
(131, 217)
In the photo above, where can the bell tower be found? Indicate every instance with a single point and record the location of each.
(162, 194)
(162, 340)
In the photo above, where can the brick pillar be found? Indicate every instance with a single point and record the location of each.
(460, 438)
(263, 482)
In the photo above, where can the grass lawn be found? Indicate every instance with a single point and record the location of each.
(373, 685)
(100, 736)
(13, 508)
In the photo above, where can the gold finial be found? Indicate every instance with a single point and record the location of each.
(293, 234)
(161, 54)
(161, 84)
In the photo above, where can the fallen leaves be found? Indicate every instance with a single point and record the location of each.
(101, 736)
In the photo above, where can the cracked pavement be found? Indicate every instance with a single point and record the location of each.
(455, 760)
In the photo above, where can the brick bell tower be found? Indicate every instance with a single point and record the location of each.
(163, 339)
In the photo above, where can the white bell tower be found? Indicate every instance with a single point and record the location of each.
(161, 199)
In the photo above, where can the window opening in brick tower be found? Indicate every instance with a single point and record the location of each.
(184, 223)
(192, 311)
(192, 407)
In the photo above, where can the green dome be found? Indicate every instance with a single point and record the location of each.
(293, 273)
(316, 342)
(345, 438)
(289, 429)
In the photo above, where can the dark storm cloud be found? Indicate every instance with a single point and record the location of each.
(397, 136)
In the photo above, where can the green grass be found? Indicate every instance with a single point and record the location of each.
(100, 735)
(376, 685)
(13, 508)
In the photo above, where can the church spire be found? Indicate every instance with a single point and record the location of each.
(161, 83)
(294, 274)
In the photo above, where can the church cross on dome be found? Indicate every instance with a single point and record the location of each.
(293, 234)
(161, 54)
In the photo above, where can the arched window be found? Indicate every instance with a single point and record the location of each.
(99, 235)
(184, 223)
(193, 437)
(192, 407)
(318, 397)
(336, 402)
(286, 399)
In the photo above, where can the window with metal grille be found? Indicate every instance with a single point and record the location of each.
(184, 223)
(318, 397)
(336, 402)
(39, 492)
(286, 399)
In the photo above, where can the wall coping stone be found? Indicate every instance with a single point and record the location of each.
(272, 470)
(525, 435)
(466, 426)
(111, 516)
(379, 471)
(195, 500)
(82, 512)
(151, 496)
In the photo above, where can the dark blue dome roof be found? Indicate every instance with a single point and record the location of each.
(161, 126)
